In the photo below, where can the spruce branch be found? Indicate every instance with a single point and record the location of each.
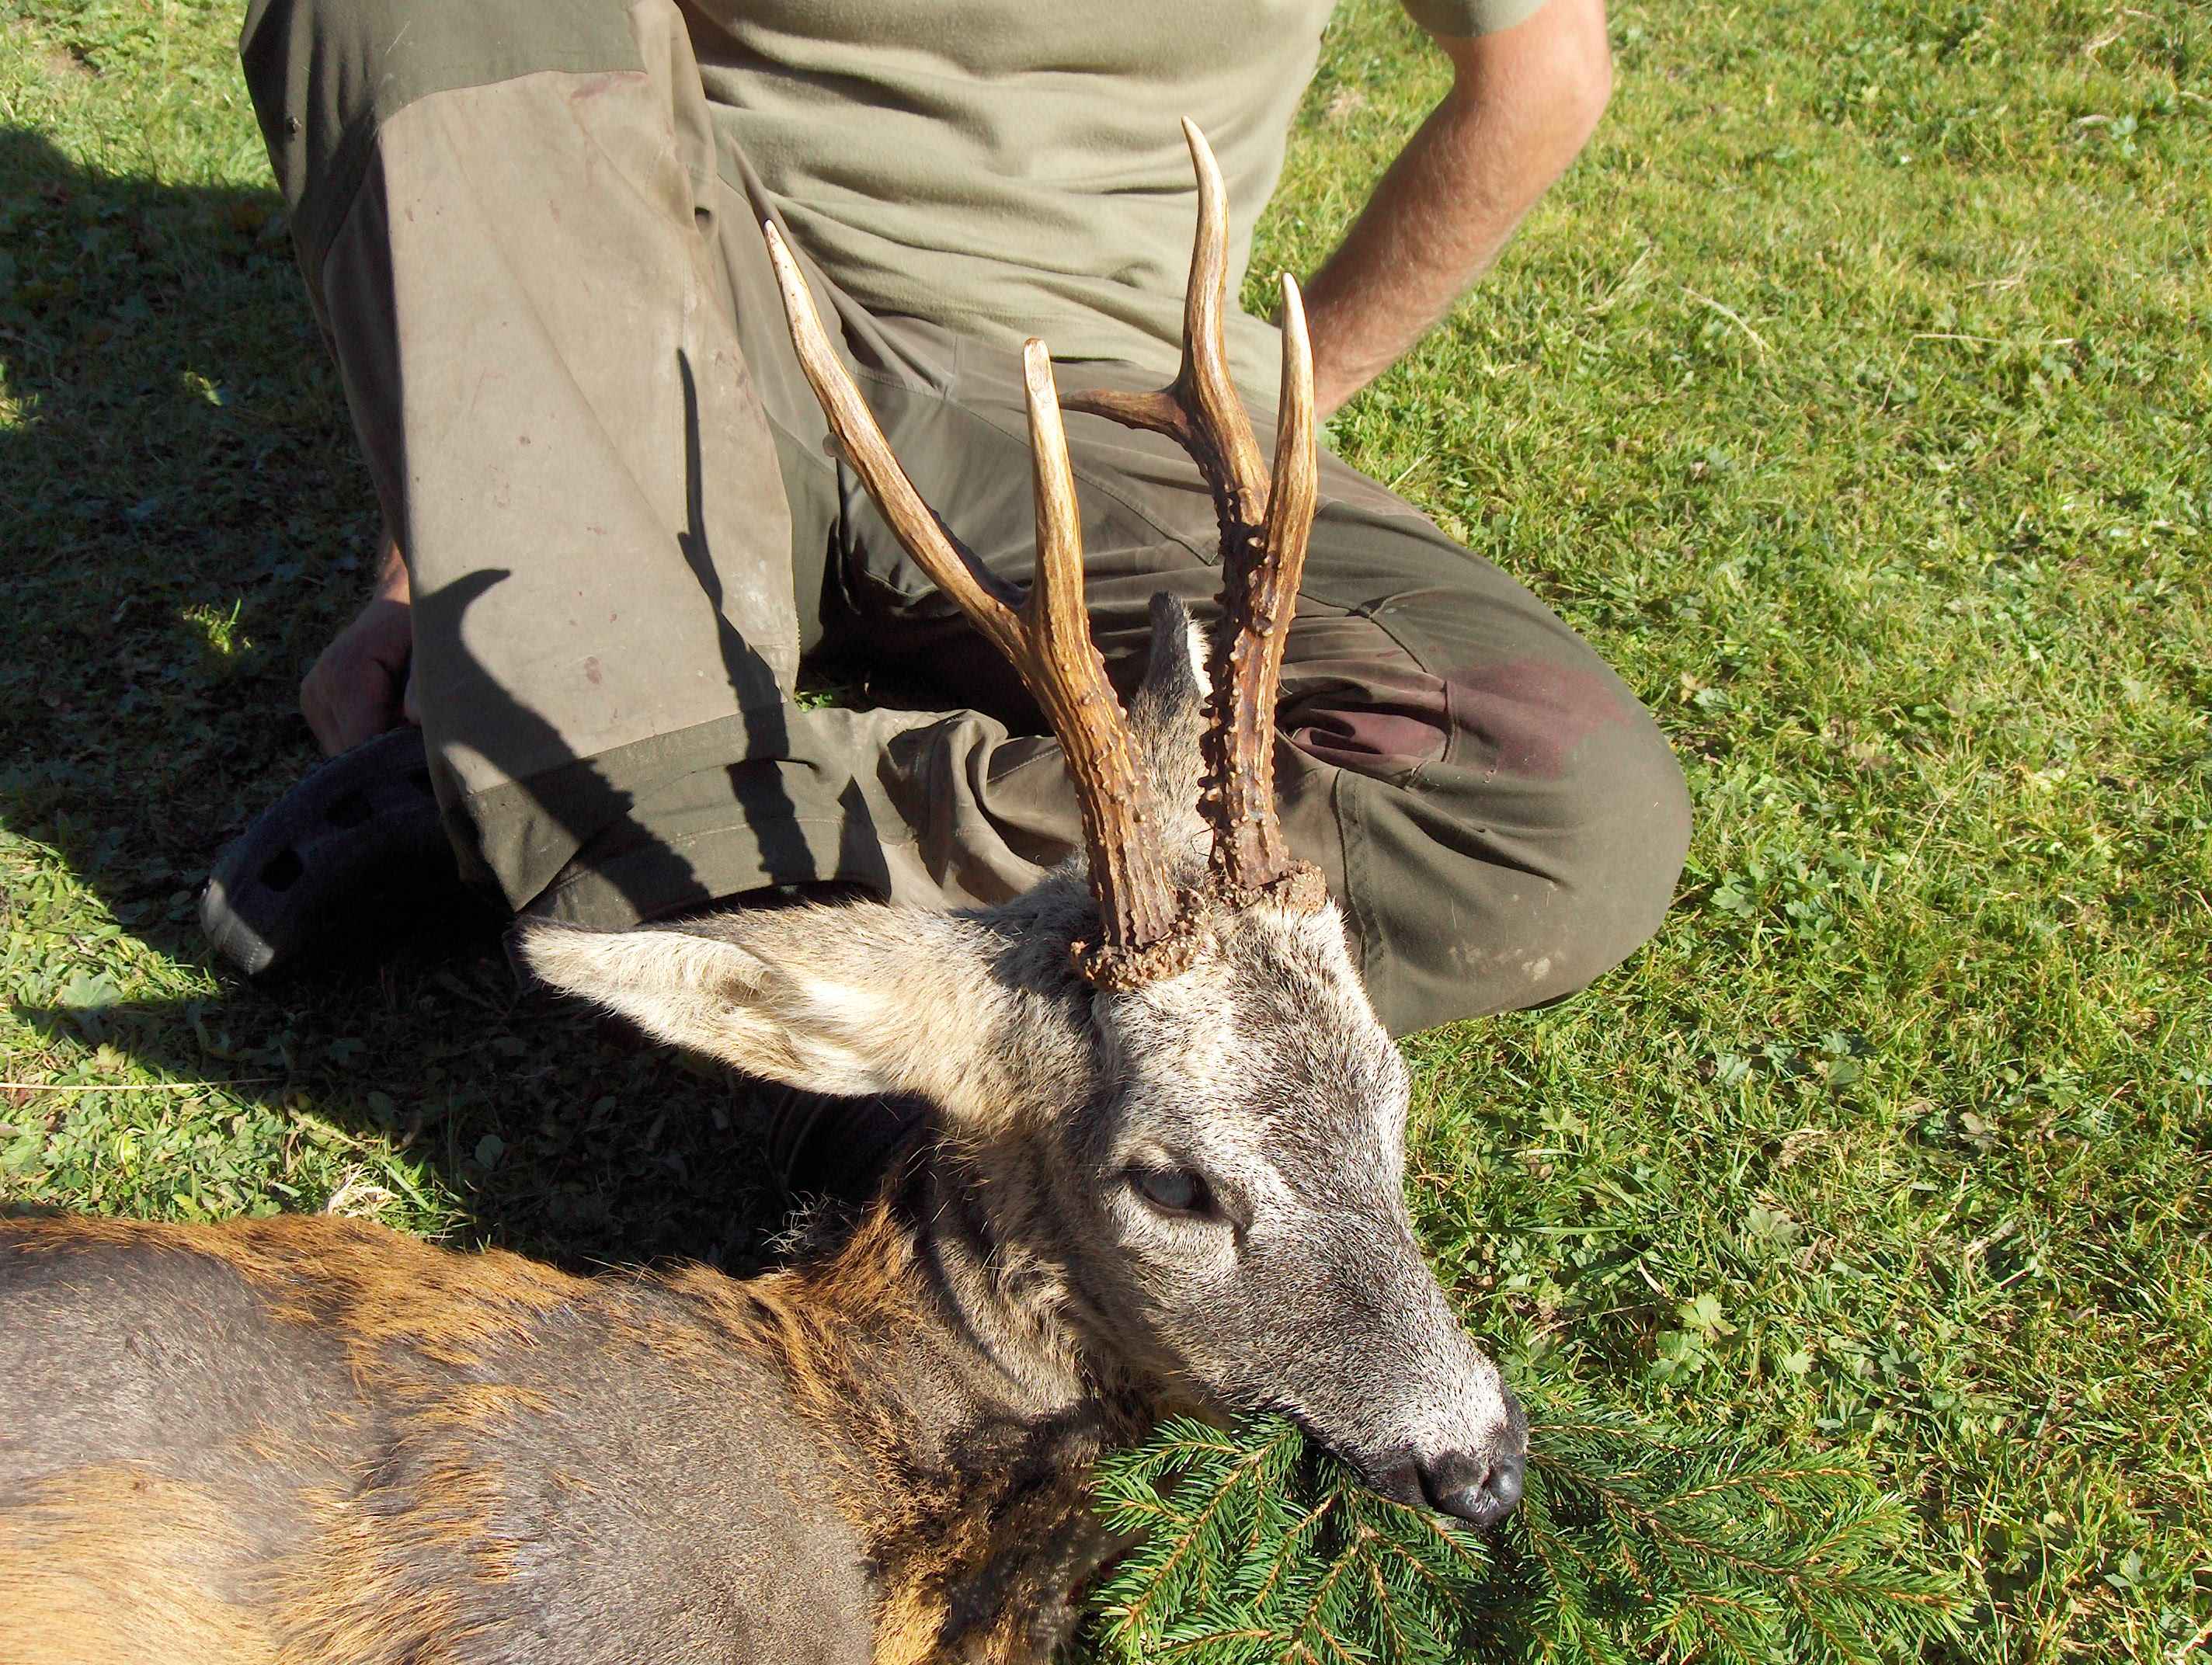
(1632, 1543)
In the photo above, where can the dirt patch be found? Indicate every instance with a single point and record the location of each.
(68, 64)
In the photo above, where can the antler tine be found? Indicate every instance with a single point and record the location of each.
(1047, 638)
(1199, 409)
(980, 594)
(1264, 530)
(1259, 591)
(1122, 830)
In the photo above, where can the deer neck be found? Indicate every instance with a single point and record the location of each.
(962, 1418)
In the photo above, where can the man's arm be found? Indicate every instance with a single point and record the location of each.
(1523, 102)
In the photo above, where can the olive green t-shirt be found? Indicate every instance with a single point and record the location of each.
(1016, 167)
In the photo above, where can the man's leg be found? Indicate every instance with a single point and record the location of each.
(505, 214)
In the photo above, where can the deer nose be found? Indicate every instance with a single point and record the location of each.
(1480, 1491)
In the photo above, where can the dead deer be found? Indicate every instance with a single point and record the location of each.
(1167, 1175)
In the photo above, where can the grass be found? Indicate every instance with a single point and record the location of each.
(1850, 395)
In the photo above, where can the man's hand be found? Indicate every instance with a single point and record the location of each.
(1523, 102)
(360, 687)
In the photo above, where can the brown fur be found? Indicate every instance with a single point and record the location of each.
(124, 1562)
(378, 1289)
(114, 1566)
(928, 1532)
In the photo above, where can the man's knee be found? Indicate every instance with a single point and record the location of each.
(303, 57)
(1624, 828)
(1536, 856)
(325, 75)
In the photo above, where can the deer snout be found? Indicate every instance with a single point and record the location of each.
(1481, 1492)
(1479, 1483)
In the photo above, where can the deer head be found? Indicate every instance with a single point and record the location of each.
(1158, 1075)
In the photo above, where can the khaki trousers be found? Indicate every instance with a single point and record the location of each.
(541, 272)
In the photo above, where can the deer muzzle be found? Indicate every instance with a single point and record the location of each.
(1399, 1390)
(1478, 1482)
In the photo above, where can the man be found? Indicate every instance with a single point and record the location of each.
(531, 228)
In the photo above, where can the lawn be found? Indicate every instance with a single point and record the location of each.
(1850, 395)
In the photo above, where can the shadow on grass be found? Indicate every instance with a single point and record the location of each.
(185, 524)
(552, 1134)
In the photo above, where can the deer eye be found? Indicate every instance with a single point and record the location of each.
(1173, 1190)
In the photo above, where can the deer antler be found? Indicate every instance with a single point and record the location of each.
(1046, 637)
(1263, 548)
(1147, 928)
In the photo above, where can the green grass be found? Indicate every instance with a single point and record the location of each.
(1850, 395)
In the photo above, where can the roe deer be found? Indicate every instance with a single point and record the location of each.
(1166, 1174)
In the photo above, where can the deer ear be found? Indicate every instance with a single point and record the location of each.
(851, 1000)
(1167, 712)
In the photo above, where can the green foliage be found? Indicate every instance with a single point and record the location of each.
(1634, 1542)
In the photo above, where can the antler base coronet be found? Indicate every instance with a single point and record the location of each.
(1299, 890)
(1105, 966)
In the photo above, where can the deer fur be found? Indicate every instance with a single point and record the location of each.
(313, 1442)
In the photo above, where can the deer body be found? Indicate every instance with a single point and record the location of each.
(316, 1441)
(1168, 1175)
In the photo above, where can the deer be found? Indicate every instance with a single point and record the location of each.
(1164, 1174)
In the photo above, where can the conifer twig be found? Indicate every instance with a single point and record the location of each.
(1634, 1543)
